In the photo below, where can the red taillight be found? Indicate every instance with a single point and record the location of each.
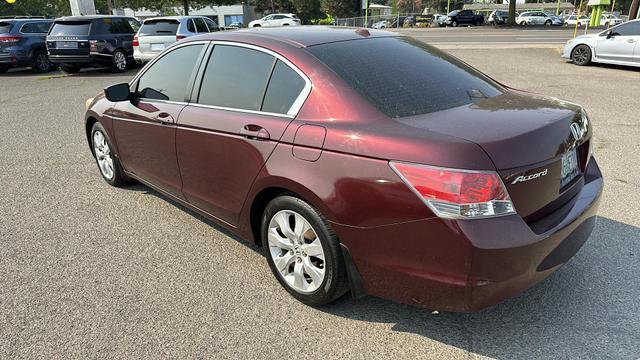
(10, 39)
(454, 193)
(93, 45)
(135, 41)
(180, 37)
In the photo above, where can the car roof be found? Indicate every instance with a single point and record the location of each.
(300, 36)
(91, 17)
(174, 17)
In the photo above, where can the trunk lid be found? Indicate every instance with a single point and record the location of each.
(69, 38)
(529, 139)
(157, 34)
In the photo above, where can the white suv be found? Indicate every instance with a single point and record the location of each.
(275, 20)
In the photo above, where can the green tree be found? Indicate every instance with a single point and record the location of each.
(340, 8)
(307, 9)
(273, 6)
(48, 8)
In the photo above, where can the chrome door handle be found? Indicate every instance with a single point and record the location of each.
(165, 118)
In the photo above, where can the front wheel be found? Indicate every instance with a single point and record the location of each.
(109, 165)
(454, 24)
(119, 62)
(302, 251)
(581, 55)
(547, 23)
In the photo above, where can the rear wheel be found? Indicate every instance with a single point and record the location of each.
(581, 55)
(119, 61)
(302, 251)
(41, 62)
(454, 24)
(547, 23)
(70, 69)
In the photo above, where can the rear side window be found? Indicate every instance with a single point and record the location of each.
(283, 90)
(190, 26)
(211, 25)
(36, 28)
(5, 27)
(200, 25)
(159, 27)
(236, 77)
(404, 77)
(70, 28)
(111, 26)
(167, 78)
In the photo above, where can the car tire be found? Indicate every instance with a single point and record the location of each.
(70, 69)
(606, 25)
(285, 24)
(581, 55)
(41, 63)
(108, 164)
(547, 23)
(119, 62)
(454, 23)
(297, 270)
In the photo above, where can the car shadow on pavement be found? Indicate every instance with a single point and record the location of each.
(590, 308)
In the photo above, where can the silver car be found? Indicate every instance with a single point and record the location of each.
(538, 18)
(618, 45)
(156, 34)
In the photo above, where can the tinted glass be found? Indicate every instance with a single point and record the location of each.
(404, 77)
(236, 77)
(190, 26)
(628, 29)
(159, 27)
(102, 27)
(70, 28)
(211, 24)
(121, 26)
(284, 87)
(36, 28)
(167, 78)
(5, 27)
(135, 25)
(200, 25)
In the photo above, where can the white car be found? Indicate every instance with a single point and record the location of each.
(159, 33)
(608, 20)
(537, 18)
(574, 19)
(618, 45)
(275, 20)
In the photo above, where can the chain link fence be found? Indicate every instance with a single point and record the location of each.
(389, 21)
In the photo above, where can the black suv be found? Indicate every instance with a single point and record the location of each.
(22, 43)
(88, 41)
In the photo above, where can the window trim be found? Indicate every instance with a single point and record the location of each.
(297, 103)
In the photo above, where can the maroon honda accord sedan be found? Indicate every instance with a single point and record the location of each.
(360, 160)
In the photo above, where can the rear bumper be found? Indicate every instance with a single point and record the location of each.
(92, 59)
(11, 59)
(469, 265)
(144, 57)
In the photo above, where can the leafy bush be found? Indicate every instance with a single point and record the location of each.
(329, 20)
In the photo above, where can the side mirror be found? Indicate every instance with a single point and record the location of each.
(118, 92)
(610, 34)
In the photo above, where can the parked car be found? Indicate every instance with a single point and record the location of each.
(77, 42)
(556, 20)
(235, 25)
(464, 17)
(498, 17)
(572, 20)
(428, 192)
(22, 43)
(538, 18)
(618, 45)
(610, 20)
(156, 34)
(380, 24)
(439, 19)
(275, 20)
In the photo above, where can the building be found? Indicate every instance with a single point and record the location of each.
(223, 15)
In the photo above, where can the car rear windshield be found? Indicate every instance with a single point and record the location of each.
(159, 27)
(404, 77)
(5, 27)
(70, 28)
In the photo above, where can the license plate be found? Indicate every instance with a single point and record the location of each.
(157, 47)
(569, 167)
(67, 45)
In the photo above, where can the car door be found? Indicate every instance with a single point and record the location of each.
(145, 127)
(239, 110)
(619, 43)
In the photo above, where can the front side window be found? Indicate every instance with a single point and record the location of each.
(167, 78)
(404, 77)
(200, 25)
(211, 25)
(236, 77)
(628, 29)
(191, 27)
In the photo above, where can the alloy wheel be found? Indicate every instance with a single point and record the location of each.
(296, 251)
(103, 155)
(120, 61)
(42, 62)
(580, 55)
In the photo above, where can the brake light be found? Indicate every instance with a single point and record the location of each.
(457, 194)
(135, 41)
(93, 45)
(180, 37)
(10, 39)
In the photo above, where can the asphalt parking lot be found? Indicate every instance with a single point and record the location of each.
(87, 270)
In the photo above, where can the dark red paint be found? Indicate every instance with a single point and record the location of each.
(335, 155)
